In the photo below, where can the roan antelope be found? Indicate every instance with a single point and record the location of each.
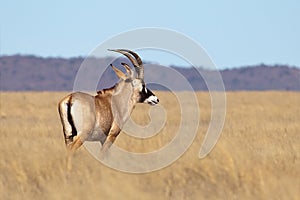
(101, 117)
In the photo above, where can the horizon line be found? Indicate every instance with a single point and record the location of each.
(153, 62)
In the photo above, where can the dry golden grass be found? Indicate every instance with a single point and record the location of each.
(257, 156)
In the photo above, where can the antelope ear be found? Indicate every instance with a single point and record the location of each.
(118, 72)
(128, 70)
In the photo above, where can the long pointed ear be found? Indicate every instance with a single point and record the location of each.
(118, 72)
(128, 70)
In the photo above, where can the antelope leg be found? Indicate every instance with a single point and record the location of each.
(113, 133)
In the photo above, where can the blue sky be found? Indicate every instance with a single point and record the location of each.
(234, 33)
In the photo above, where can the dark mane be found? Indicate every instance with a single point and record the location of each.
(106, 90)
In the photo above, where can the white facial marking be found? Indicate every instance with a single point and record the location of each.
(152, 100)
(137, 84)
(141, 87)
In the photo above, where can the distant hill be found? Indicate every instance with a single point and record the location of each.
(22, 73)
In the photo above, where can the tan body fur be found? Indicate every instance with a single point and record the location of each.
(100, 118)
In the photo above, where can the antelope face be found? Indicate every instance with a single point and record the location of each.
(144, 94)
(141, 93)
(147, 96)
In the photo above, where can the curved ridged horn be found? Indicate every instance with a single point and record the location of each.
(137, 62)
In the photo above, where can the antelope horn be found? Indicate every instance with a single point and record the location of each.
(137, 62)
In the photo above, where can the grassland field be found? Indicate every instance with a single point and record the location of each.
(256, 157)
